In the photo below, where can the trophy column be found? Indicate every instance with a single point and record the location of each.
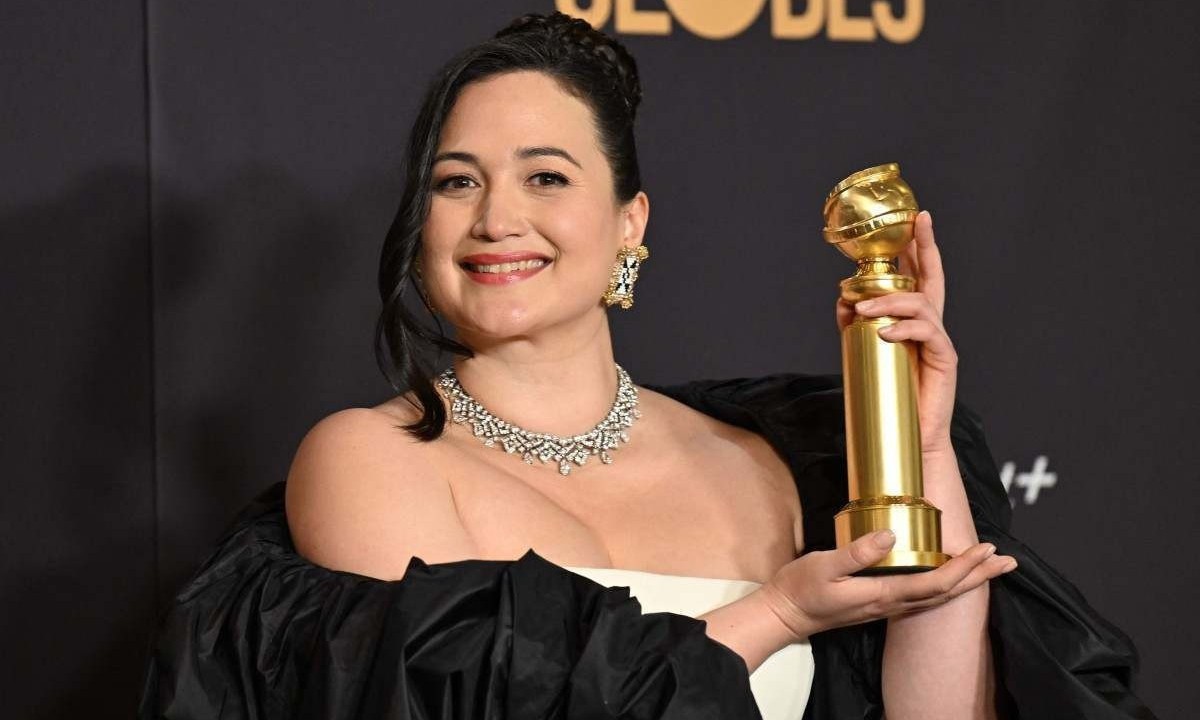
(869, 217)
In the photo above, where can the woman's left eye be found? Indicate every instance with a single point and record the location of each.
(555, 178)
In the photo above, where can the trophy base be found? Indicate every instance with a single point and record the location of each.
(917, 526)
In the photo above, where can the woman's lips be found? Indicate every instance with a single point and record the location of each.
(497, 273)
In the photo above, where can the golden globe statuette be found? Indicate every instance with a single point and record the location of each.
(870, 216)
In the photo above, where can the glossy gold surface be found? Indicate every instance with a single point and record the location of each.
(917, 525)
(870, 214)
(869, 217)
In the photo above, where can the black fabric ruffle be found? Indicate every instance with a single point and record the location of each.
(259, 632)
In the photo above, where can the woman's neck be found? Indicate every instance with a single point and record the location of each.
(563, 385)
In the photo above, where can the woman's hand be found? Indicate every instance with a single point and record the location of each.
(921, 320)
(817, 592)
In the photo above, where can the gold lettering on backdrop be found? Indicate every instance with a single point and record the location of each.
(844, 27)
(632, 21)
(716, 20)
(796, 27)
(903, 29)
(721, 19)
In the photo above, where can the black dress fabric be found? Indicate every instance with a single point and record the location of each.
(259, 632)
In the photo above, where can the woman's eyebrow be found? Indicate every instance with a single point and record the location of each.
(521, 154)
(546, 150)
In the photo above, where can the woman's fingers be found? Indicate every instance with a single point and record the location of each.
(929, 258)
(920, 323)
(939, 581)
(860, 554)
(909, 261)
(923, 261)
(936, 345)
(900, 592)
(900, 304)
(989, 569)
(961, 574)
(885, 596)
(993, 567)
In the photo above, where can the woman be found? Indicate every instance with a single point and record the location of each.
(435, 575)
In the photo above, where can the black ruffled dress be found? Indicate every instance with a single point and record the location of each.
(259, 632)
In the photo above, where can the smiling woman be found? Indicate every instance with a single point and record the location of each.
(498, 200)
(420, 562)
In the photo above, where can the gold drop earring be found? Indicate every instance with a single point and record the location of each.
(624, 275)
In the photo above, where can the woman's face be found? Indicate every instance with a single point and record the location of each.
(519, 177)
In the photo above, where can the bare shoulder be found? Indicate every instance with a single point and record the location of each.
(353, 447)
(365, 496)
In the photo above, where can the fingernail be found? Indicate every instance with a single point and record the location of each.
(991, 550)
(885, 538)
(887, 329)
(1010, 566)
(864, 305)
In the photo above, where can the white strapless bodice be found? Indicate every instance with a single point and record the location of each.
(780, 685)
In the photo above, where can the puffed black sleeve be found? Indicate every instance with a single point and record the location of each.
(1055, 657)
(259, 632)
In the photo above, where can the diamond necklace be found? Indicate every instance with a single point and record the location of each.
(493, 431)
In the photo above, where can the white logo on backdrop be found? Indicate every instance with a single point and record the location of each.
(1031, 482)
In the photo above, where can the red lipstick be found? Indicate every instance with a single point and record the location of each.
(498, 258)
(471, 264)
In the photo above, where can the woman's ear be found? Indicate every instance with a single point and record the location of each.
(635, 215)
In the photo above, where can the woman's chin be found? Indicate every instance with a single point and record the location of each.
(500, 323)
(497, 324)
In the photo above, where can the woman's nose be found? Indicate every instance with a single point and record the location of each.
(501, 215)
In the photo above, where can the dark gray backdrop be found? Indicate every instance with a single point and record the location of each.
(194, 197)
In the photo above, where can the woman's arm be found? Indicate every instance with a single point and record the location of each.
(938, 663)
(363, 498)
(748, 627)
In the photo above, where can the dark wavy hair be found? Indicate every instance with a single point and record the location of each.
(588, 64)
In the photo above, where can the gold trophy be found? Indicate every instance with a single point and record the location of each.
(869, 216)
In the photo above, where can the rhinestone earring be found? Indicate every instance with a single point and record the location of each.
(624, 275)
